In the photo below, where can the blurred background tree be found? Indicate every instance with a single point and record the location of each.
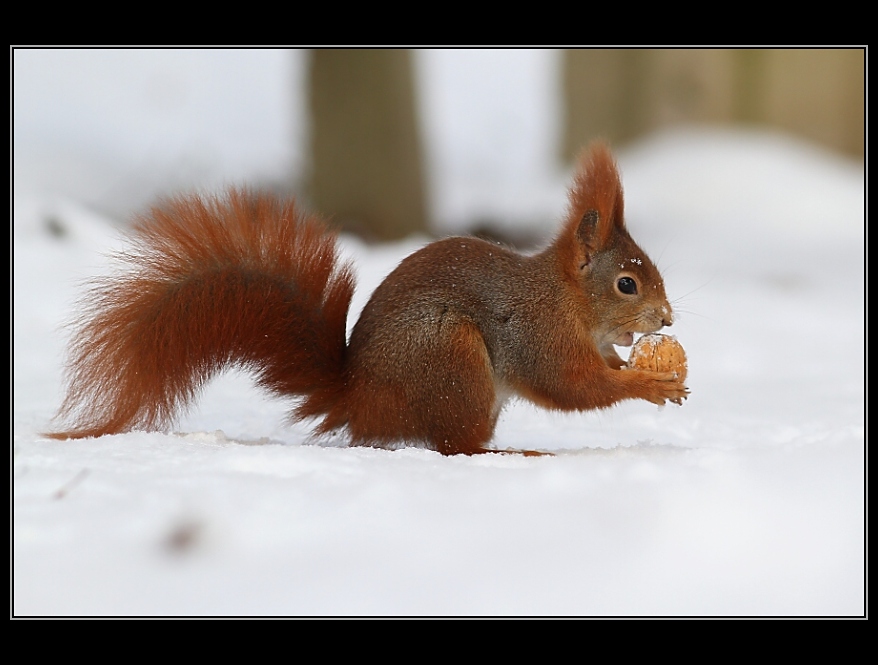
(622, 94)
(366, 157)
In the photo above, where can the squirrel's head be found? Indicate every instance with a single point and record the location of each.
(620, 289)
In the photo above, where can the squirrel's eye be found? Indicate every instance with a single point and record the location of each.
(627, 286)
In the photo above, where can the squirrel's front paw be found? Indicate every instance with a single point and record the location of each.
(666, 387)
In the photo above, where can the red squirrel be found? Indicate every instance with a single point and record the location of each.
(457, 328)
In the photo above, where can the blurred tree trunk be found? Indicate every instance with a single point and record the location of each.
(604, 96)
(817, 93)
(366, 165)
(619, 94)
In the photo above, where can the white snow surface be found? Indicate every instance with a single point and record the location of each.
(749, 500)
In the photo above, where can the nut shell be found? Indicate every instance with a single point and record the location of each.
(659, 353)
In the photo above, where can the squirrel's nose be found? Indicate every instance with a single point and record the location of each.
(667, 318)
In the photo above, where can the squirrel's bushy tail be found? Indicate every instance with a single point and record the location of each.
(210, 282)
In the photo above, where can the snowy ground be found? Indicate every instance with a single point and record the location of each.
(747, 500)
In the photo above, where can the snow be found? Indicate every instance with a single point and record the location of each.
(749, 500)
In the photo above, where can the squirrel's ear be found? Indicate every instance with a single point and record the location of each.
(587, 236)
(595, 204)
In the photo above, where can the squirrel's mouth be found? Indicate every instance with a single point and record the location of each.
(625, 339)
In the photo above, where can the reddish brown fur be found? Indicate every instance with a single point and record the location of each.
(450, 333)
(210, 282)
(596, 187)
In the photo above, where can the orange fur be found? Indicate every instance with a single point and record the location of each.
(210, 282)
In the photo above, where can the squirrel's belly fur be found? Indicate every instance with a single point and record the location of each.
(248, 280)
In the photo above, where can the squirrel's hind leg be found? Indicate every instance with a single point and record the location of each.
(437, 389)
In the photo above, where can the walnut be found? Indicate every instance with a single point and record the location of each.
(659, 353)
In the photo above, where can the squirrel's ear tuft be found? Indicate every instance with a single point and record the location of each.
(595, 204)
